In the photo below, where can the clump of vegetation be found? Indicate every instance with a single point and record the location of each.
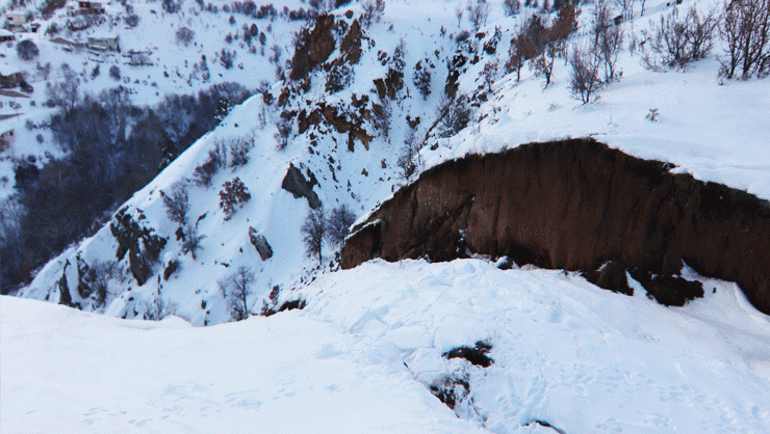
(176, 203)
(203, 174)
(236, 289)
(313, 233)
(338, 225)
(27, 50)
(184, 36)
(192, 241)
(233, 196)
(239, 151)
(676, 41)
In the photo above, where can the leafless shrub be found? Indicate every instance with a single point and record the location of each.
(585, 80)
(158, 309)
(239, 151)
(676, 42)
(176, 203)
(409, 160)
(542, 64)
(283, 133)
(478, 13)
(191, 242)
(373, 10)
(381, 116)
(489, 74)
(184, 36)
(511, 7)
(454, 115)
(216, 160)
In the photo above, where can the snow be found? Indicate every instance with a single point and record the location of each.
(361, 355)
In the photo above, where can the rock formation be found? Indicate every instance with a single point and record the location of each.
(576, 205)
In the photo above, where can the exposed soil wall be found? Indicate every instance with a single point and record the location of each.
(574, 205)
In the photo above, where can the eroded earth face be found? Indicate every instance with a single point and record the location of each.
(603, 206)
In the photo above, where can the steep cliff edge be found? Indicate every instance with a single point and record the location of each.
(574, 205)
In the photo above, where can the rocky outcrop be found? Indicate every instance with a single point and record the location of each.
(576, 205)
(313, 47)
(295, 183)
(351, 122)
(143, 247)
(260, 243)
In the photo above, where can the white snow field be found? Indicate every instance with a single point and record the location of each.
(360, 357)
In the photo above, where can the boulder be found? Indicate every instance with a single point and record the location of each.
(295, 183)
(261, 244)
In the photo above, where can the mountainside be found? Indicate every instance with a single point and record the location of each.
(355, 120)
(150, 49)
(414, 123)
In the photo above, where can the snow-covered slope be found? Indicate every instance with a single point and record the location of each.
(362, 355)
(164, 65)
(714, 129)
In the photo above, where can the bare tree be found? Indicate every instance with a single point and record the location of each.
(176, 203)
(409, 160)
(236, 288)
(608, 39)
(489, 74)
(338, 224)
(511, 7)
(459, 12)
(585, 81)
(542, 64)
(191, 241)
(313, 231)
(676, 42)
(65, 93)
(516, 55)
(745, 29)
(478, 13)
(283, 133)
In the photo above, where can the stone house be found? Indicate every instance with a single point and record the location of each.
(85, 8)
(103, 43)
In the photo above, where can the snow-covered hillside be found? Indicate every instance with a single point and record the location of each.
(154, 59)
(367, 351)
(364, 353)
(713, 128)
